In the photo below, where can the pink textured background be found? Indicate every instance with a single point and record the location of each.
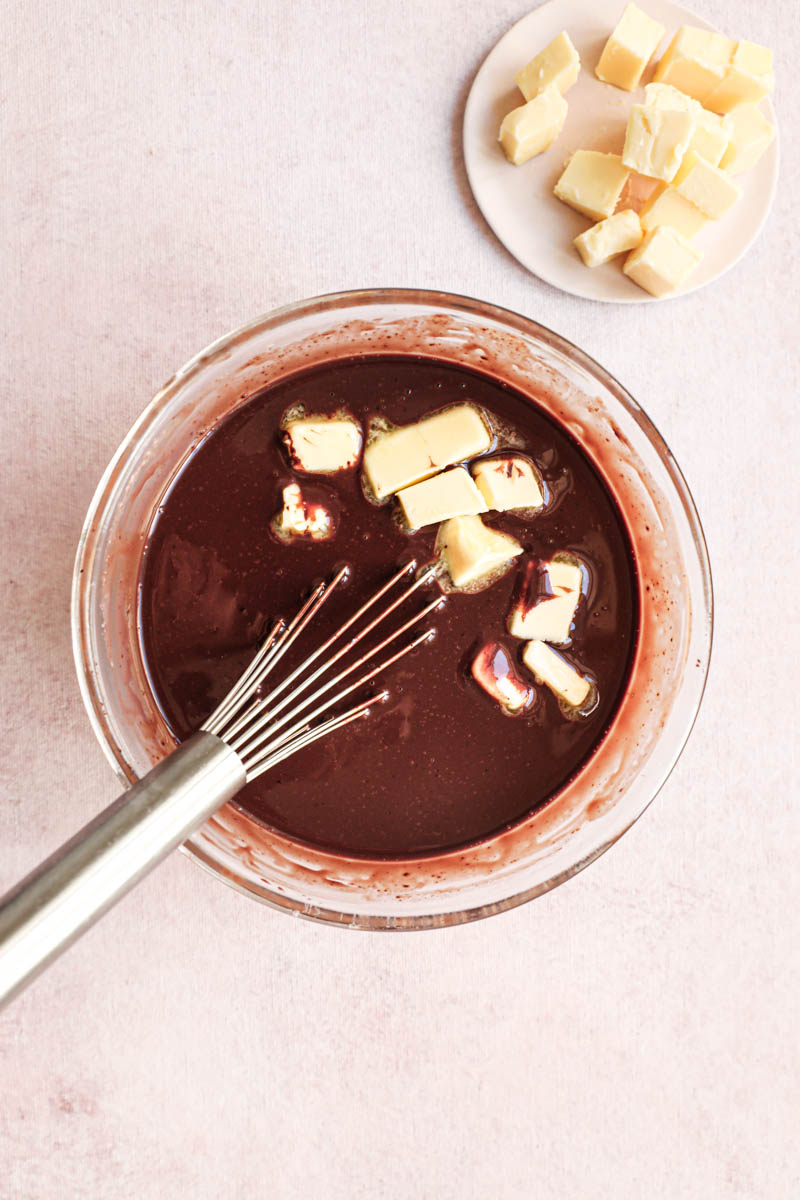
(169, 171)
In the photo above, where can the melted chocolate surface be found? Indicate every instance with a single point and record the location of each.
(439, 764)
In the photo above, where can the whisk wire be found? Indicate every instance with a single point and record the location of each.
(265, 730)
(267, 725)
(270, 701)
(337, 634)
(263, 751)
(241, 688)
(284, 750)
(251, 712)
(277, 643)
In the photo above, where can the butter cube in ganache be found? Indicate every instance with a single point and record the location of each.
(451, 494)
(545, 606)
(300, 518)
(533, 127)
(493, 669)
(663, 261)
(455, 434)
(708, 188)
(507, 482)
(557, 64)
(395, 458)
(473, 553)
(322, 445)
(557, 673)
(592, 182)
(608, 238)
(696, 62)
(656, 140)
(629, 49)
(751, 135)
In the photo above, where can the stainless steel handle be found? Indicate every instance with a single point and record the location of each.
(53, 905)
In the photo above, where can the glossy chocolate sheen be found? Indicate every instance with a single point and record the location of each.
(439, 765)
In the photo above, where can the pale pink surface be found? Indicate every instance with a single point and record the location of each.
(168, 173)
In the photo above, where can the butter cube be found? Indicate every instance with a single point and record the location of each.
(399, 457)
(322, 445)
(751, 134)
(531, 128)
(301, 518)
(455, 435)
(712, 133)
(711, 138)
(508, 482)
(558, 64)
(592, 182)
(696, 61)
(474, 553)
(451, 494)
(656, 140)
(708, 188)
(396, 458)
(493, 669)
(629, 49)
(668, 207)
(664, 95)
(549, 617)
(557, 673)
(748, 79)
(663, 261)
(608, 238)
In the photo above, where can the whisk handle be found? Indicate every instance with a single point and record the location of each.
(53, 905)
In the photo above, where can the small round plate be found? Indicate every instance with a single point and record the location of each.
(518, 202)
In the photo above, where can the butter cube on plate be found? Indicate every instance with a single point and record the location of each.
(615, 235)
(508, 482)
(668, 207)
(708, 188)
(529, 130)
(711, 137)
(712, 133)
(451, 494)
(548, 616)
(557, 673)
(748, 79)
(696, 61)
(656, 140)
(629, 49)
(322, 445)
(751, 135)
(664, 95)
(300, 518)
(473, 553)
(395, 458)
(662, 262)
(557, 64)
(592, 182)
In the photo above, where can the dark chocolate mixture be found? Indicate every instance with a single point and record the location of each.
(439, 765)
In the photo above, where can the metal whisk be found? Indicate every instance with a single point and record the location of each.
(255, 727)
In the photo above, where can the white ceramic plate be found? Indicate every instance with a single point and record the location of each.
(518, 202)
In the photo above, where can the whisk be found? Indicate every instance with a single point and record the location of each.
(257, 725)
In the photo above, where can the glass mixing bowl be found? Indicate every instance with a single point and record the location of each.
(666, 685)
